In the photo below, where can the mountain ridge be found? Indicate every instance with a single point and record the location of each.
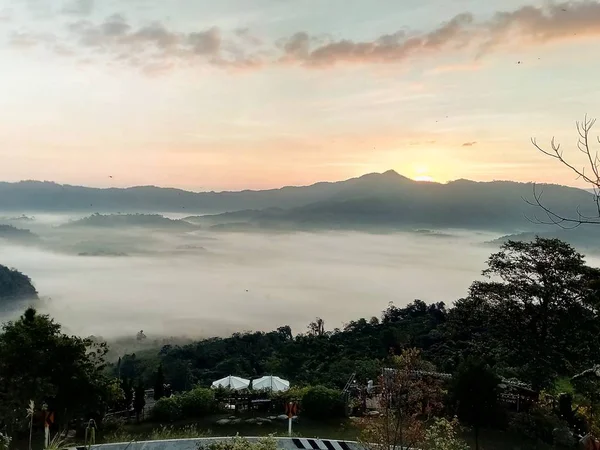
(384, 200)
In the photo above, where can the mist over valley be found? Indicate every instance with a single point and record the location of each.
(366, 242)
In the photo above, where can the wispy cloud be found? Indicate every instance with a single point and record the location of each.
(155, 45)
(469, 144)
(78, 7)
(528, 25)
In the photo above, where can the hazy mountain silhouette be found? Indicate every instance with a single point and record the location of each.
(152, 221)
(390, 201)
(386, 200)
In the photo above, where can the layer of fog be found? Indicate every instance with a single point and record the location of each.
(227, 282)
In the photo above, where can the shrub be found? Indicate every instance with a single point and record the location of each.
(240, 443)
(320, 402)
(4, 441)
(167, 409)
(170, 432)
(443, 434)
(538, 424)
(197, 403)
(113, 424)
(294, 394)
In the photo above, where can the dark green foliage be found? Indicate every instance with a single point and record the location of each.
(127, 386)
(191, 404)
(159, 384)
(544, 289)
(197, 403)
(474, 390)
(40, 363)
(538, 424)
(167, 409)
(15, 286)
(320, 402)
(139, 399)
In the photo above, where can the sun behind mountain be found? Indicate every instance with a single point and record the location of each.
(423, 178)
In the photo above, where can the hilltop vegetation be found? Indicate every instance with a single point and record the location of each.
(11, 233)
(131, 220)
(15, 288)
(585, 238)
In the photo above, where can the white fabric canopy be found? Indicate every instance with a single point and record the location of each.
(271, 383)
(232, 382)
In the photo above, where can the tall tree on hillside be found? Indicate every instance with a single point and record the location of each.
(587, 170)
(317, 328)
(159, 384)
(544, 307)
(474, 390)
(127, 385)
(40, 363)
(139, 399)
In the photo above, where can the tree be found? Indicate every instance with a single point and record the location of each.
(317, 328)
(475, 392)
(41, 364)
(159, 384)
(127, 393)
(590, 173)
(587, 386)
(409, 396)
(139, 400)
(543, 288)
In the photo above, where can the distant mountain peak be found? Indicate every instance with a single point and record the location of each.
(390, 175)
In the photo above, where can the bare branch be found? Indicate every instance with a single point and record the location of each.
(590, 175)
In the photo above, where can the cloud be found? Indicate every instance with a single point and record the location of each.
(469, 144)
(24, 40)
(6, 15)
(528, 25)
(79, 8)
(156, 46)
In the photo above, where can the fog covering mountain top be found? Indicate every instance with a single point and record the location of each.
(378, 197)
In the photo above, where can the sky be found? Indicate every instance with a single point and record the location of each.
(257, 94)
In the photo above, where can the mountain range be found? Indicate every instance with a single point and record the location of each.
(377, 200)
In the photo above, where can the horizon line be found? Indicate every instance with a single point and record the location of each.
(387, 172)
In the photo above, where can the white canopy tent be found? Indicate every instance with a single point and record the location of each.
(270, 383)
(232, 382)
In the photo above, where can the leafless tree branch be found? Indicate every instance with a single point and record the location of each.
(590, 174)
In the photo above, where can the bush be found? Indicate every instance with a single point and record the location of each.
(167, 409)
(443, 434)
(320, 402)
(170, 432)
(240, 443)
(294, 394)
(113, 424)
(538, 424)
(4, 441)
(197, 403)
